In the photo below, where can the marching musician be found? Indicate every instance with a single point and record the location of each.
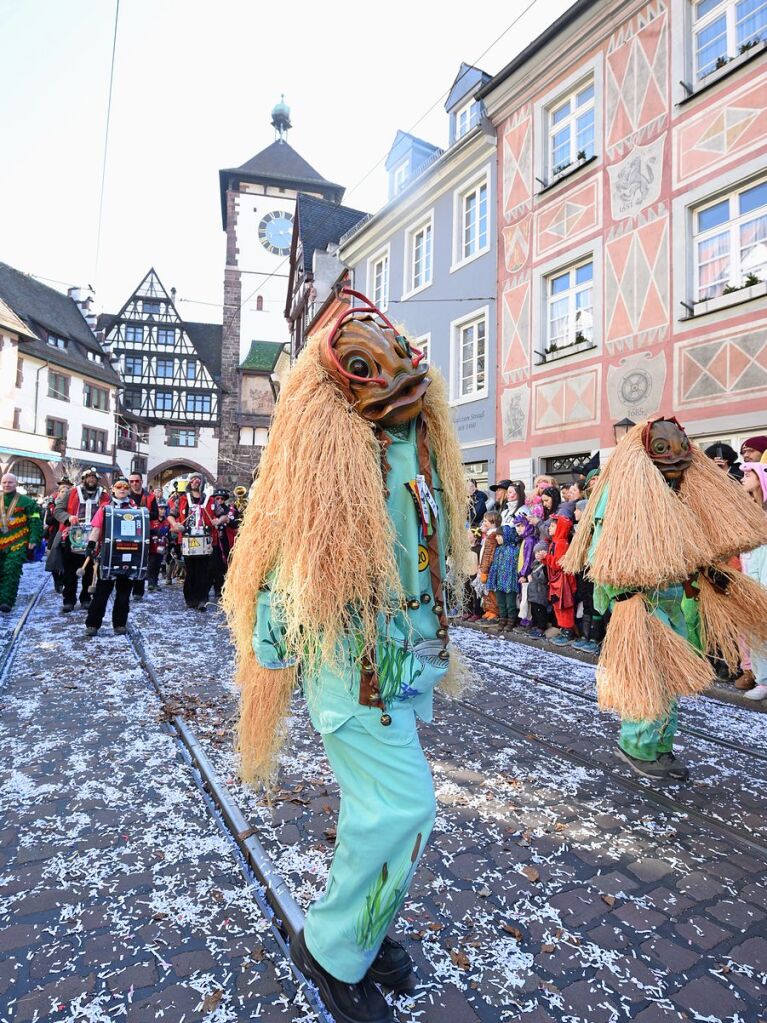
(226, 520)
(143, 498)
(20, 532)
(122, 584)
(194, 522)
(54, 562)
(75, 512)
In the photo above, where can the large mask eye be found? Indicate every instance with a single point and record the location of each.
(358, 366)
(660, 446)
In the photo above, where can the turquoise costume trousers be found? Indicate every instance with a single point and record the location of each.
(646, 740)
(386, 816)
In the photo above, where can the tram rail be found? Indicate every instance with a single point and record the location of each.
(270, 891)
(580, 694)
(527, 730)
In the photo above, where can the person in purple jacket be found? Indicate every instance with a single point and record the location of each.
(528, 537)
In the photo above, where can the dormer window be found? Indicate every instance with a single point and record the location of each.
(400, 177)
(95, 357)
(464, 119)
(57, 342)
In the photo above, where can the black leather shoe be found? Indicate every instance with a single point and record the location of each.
(652, 769)
(675, 771)
(346, 1003)
(392, 967)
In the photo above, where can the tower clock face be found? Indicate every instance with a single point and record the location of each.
(275, 232)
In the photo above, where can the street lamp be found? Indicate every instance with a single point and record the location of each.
(620, 429)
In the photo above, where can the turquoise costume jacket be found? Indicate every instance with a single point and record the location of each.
(408, 664)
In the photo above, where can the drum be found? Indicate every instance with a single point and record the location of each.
(196, 546)
(78, 538)
(125, 543)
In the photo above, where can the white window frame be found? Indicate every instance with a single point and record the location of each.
(571, 120)
(732, 47)
(460, 195)
(424, 343)
(582, 253)
(409, 288)
(383, 255)
(594, 71)
(571, 294)
(400, 175)
(737, 274)
(465, 109)
(457, 327)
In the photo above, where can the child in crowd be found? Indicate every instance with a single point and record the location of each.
(473, 601)
(561, 584)
(502, 577)
(525, 530)
(538, 591)
(491, 534)
(158, 545)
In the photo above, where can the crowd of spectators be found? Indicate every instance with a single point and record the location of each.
(518, 540)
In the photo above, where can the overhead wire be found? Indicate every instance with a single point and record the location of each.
(381, 159)
(106, 146)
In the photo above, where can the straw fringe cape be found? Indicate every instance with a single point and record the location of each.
(317, 525)
(654, 537)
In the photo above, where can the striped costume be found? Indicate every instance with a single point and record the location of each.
(20, 527)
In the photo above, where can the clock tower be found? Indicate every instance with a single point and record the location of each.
(258, 201)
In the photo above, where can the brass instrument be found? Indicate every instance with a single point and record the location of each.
(240, 498)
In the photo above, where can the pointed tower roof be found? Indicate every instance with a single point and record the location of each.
(281, 166)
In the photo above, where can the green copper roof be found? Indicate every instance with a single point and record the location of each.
(263, 356)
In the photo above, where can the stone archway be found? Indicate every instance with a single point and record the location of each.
(35, 476)
(161, 474)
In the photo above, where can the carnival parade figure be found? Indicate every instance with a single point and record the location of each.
(657, 539)
(21, 530)
(122, 584)
(345, 589)
(74, 511)
(192, 520)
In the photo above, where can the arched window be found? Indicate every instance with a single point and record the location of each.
(259, 303)
(30, 477)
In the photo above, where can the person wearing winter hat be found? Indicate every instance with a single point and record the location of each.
(538, 591)
(725, 458)
(754, 564)
(753, 449)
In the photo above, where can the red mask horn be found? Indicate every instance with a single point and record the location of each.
(366, 309)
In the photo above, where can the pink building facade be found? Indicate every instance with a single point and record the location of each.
(632, 213)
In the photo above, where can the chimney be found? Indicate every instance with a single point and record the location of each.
(85, 300)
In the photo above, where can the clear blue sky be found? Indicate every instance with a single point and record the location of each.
(194, 86)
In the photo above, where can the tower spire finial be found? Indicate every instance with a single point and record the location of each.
(281, 119)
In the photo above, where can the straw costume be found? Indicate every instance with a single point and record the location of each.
(345, 582)
(21, 529)
(659, 528)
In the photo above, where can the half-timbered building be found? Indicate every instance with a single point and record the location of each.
(168, 412)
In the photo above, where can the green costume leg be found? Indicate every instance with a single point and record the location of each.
(387, 813)
(646, 740)
(11, 566)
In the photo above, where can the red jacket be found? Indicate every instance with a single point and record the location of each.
(207, 515)
(561, 584)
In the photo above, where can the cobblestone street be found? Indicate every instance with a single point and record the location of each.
(550, 890)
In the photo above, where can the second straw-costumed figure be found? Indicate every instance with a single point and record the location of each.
(659, 531)
(339, 571)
